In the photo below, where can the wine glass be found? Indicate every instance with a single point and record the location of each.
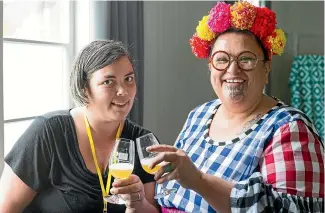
(147, 157)
(121, 164)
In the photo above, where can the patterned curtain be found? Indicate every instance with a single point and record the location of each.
(307, 88)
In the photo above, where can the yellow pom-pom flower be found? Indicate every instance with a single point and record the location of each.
(203, 31)
(242, 15)
(277, 41)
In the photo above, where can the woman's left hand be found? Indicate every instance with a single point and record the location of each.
(180, 166)
(130, 189)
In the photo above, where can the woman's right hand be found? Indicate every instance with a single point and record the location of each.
(15, 195)
(180, 165)
(139, 197)
(130, 189)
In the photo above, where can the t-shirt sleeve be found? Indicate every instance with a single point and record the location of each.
(30, 157)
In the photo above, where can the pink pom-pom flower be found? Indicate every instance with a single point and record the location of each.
(219, 17)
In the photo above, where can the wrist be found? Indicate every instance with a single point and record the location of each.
(199, 183)
(134, 205)
(130, 210)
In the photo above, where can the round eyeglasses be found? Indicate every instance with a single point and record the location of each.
(246, 60)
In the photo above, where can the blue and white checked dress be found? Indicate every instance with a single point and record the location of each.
(235, 160)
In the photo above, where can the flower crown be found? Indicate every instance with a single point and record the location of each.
(241, 15)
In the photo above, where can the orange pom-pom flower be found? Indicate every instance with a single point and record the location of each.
(242, 15)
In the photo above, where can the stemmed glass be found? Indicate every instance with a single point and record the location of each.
(147, 157)
(121, 164)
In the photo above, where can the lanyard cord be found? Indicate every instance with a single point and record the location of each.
(92, 146)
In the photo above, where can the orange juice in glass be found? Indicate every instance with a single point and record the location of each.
(121, 170)
(145, 162)
(121, 164)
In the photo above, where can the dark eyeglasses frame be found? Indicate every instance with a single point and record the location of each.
(234, 59)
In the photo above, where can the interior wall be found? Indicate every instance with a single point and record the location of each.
(175, 81)
(1, 92)
(303, 23)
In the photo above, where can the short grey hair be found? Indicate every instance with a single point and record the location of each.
(96, 55)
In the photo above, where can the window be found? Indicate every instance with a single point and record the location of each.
(38, 46)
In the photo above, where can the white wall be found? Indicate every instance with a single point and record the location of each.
(304, 23)
(175, 81)
(1, 93)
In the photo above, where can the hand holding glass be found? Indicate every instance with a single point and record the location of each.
(146, 159)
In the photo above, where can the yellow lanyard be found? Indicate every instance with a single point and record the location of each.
(91, 141)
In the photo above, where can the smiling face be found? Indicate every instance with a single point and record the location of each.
(234, 85)
(112, 89)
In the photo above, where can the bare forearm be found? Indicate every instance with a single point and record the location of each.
(15, 195)
(215, 191)
(142, 206)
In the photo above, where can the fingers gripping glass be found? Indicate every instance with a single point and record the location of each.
(147, 157)
(246, 60)
(121, 164)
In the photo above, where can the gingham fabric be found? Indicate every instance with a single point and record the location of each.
(271, 163)
(256, 196)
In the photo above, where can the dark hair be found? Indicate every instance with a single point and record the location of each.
(246, 32)
(94, 56)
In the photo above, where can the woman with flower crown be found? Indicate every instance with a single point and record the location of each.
(245, 151)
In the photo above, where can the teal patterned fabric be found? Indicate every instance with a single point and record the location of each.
(307, 88)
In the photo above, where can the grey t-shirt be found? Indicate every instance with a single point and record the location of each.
(47, 158)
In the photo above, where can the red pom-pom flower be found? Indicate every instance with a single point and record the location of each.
(264, 23)
(200, 48)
